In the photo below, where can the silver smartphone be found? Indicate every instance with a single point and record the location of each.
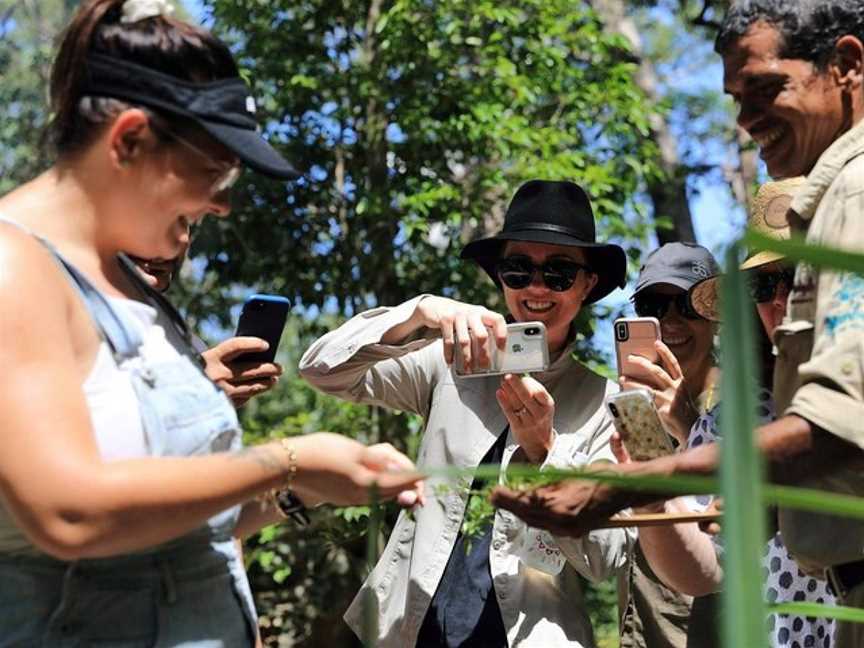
(637, 421)
(526, 352)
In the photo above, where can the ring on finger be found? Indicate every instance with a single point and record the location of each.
(520, 411)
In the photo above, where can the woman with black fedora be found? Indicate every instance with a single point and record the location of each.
(512, 586)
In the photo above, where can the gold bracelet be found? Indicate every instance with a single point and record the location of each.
(282, 499)
(270, 497)
(291, 453)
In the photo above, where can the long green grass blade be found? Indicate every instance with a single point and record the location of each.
(805, 499)
(740, 470)
(839, 612)
(796, 249)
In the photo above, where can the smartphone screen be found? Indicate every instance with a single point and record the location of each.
(263, 316)
(635, 336)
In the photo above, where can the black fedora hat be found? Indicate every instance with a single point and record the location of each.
(559, 213)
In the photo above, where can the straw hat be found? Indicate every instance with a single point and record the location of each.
(770, 217)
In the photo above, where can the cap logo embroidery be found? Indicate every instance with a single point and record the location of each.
(250, 105)
(700, 270)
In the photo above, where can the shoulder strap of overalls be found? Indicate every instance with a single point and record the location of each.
(157, 300)
(123, 339)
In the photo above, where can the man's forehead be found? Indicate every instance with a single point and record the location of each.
(756, 52)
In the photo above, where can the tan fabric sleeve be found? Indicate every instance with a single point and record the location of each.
(350, 362)
(831, 394)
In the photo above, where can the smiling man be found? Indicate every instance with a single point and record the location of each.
(795, 71)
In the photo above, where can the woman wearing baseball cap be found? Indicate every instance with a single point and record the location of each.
(434, 586)
(682, 383)
(122, 476)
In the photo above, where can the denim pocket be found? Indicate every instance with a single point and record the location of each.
(182, 412)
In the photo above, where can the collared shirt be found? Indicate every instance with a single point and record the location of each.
(462, 421)
(819, 373)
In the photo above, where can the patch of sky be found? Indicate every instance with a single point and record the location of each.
(395, 134)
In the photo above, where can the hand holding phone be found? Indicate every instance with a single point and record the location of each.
(240, 380)
(526, 351)
(635, 336)
(636, 419)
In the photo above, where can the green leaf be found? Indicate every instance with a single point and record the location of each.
(839, 612)
(797, 249)
(740, 469)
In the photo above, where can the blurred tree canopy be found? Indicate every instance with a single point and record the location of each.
(413, 123)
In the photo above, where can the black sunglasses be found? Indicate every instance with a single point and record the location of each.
(763, 285)
(516, 272)
(657, 305)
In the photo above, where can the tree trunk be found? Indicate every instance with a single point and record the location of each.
(742, 178)
(668, 194)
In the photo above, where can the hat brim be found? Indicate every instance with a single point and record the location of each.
(252, 149)
(666, 281)
(705, 295)
(705, 298)
(761, 258)
(607, 260)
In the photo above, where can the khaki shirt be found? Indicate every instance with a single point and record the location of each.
(819, 373)
(462, 421)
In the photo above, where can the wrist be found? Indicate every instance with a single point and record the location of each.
(538, 450)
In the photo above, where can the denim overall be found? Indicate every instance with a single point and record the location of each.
(190, 592)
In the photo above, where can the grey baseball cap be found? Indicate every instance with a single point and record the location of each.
(679, 264)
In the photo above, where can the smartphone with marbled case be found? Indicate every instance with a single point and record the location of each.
(637, 421)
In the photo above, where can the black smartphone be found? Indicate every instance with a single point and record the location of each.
(263, 316)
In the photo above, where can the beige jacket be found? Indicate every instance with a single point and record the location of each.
(462, 420)
(820, 365)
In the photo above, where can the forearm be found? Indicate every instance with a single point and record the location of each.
(400, 332)
(681, 555)
(795, 450)
(127, 506)
(700, 462)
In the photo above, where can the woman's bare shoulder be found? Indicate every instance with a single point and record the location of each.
(28, 271)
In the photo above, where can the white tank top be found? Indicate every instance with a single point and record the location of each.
(111, 400)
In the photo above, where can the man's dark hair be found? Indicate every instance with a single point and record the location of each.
(809, 29)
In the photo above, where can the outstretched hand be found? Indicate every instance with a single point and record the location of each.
(569, 508)
(335, 469)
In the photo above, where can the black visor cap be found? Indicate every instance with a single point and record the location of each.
(223, 108)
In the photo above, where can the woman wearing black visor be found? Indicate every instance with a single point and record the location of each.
(122, 477)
